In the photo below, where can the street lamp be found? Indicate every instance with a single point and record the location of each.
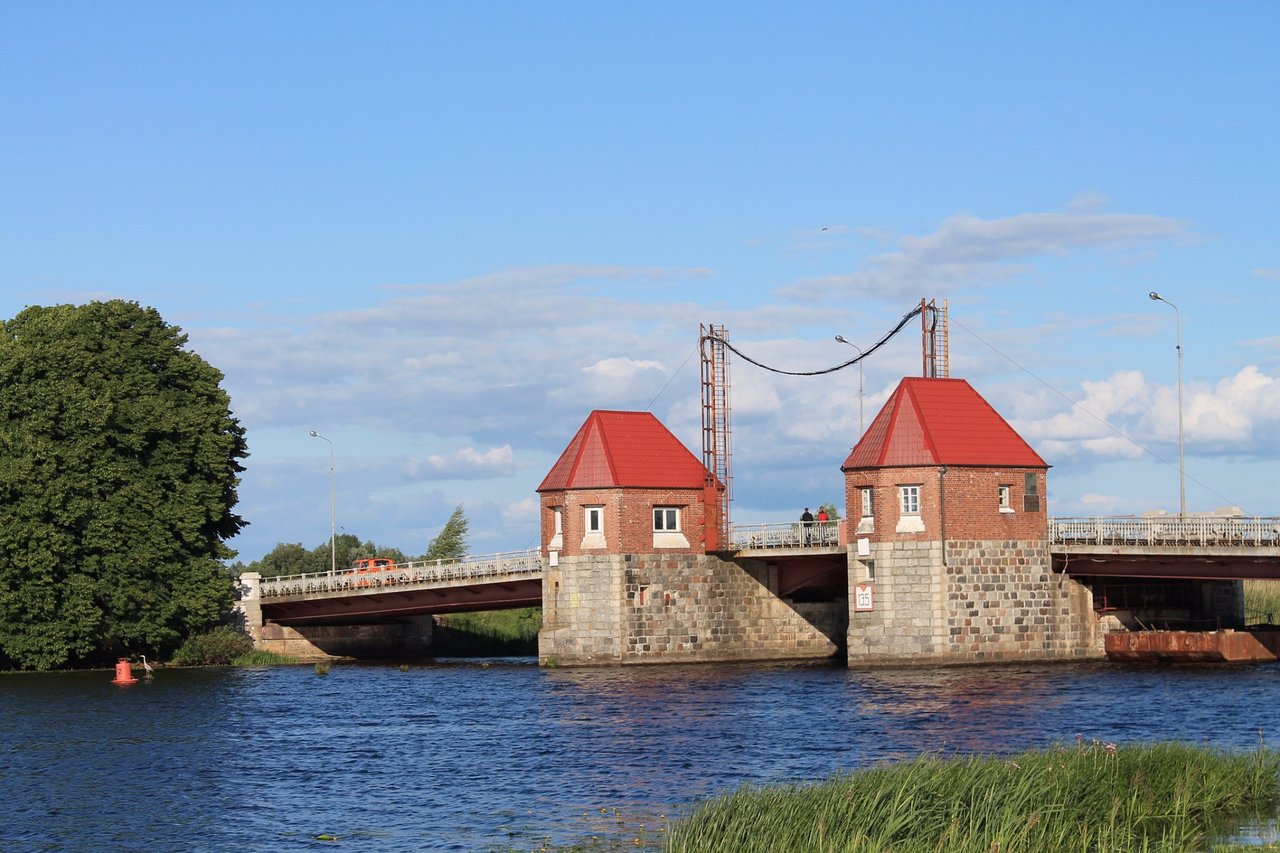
(333, 529)
(1182, 470)
(841, 339)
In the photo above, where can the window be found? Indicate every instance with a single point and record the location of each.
(871, 569)
(593, 535)
(868, 502)
(910, 499)
(1004, 500)
(1031, 494)
(666, 518)
(557, 534)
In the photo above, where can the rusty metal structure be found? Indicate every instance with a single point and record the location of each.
(934, 348)
(716, 450)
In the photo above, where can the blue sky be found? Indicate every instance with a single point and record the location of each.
(441, 233)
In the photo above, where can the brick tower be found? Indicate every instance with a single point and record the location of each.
(949, 558)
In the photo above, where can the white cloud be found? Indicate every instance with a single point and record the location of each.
(465, 464)
(967, 250)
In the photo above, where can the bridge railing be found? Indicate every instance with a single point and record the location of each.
(415, 572)
(786, 534)
(1235, 531)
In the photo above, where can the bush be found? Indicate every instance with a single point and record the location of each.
(219, 647)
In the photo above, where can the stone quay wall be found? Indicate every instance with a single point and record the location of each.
(989, 601)
(673, 608)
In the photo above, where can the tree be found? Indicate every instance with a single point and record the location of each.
(451, 542)
(290, 558)
(119, 462)
(832, 513)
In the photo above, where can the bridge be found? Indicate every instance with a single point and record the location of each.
(810, 557)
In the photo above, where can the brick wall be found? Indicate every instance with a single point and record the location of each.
(628, 519)
(969, 495)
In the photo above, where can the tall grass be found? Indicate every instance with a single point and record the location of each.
(495, 632)
(1090, 797)
(1262, 602)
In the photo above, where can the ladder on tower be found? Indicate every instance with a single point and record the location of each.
(934, 346)
(716, 453)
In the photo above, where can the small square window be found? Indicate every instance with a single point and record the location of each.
(666, 519)
(910, 499)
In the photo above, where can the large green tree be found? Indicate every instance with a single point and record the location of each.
(119, 462)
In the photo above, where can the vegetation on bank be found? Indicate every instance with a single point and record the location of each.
(224, 646)
(495, 632)
(1090, 797)
(1262, 602)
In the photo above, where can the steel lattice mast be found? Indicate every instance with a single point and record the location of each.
(716, 453)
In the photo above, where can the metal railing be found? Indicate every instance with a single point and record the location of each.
(1205, 531)
(404, 574)
(786, 534)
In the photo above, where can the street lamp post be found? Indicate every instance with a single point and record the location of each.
(333, 529)
(841, 339)
(1182, 470)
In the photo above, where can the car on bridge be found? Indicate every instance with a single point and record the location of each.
(369, 571)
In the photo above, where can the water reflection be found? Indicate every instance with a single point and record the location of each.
(458, 756)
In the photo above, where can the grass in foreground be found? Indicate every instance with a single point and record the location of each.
(1091, 797)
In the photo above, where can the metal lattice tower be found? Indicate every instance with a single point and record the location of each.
(716, 453)
(933, 340)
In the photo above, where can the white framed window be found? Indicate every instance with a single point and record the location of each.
(593, 527)
(910, 497)
(666, 519)
(557, 534)
(868, 502)
(1003, 498)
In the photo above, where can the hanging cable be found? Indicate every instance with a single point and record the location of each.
(898, 328)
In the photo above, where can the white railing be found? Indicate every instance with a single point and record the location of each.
(1230, 531)
(402, 574)
(786, 534)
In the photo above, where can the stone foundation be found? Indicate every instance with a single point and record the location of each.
(988, 601)
(677, 608)
(326, 642)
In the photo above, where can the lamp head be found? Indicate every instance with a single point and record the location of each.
(841, 339)
(314, 434)
(1154, 295)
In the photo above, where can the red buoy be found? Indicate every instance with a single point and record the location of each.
(124, 673)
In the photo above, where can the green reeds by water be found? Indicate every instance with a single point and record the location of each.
(1262, 602)
(1086, 797)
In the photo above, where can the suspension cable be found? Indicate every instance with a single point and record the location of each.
(898, 328)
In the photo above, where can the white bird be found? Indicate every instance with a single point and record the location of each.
(146, 666)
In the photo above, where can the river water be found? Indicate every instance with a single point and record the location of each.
(503, 755)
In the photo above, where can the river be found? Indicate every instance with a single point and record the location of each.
(503, 755)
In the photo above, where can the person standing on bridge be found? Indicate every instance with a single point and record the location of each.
(806, 526)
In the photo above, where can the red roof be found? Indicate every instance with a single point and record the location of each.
(625, 450)
(940, 422)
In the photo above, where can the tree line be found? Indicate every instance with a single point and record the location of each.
(292, 558)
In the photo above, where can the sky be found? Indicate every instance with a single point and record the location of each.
(441, 233)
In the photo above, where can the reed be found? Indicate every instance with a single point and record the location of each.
(1262, 602)
(1089, 797)
(258, 657)
(497, 632)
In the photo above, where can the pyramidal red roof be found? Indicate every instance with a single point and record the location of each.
(621, 450)
(940, 422)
